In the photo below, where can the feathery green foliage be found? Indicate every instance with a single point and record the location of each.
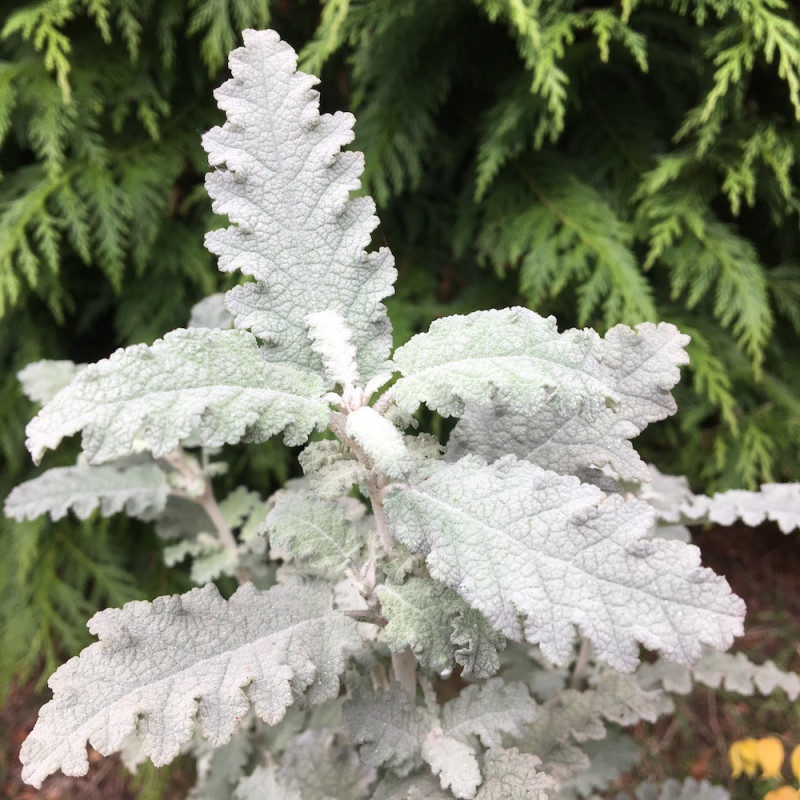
(329, 672)
(625, 163)
(614, 163)
(101, 203)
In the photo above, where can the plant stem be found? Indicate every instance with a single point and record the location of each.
(404, 666)
(584, 653)
(365, 615)
(376, 482)
(177, 460)
(385, 401)
(224, 533)
(380, 678)
(210, 506)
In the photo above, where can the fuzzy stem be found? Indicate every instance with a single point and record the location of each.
(385, 401)
(224, 533)
(366, 615)
(581, 662)
(380, 679)
(376, 482)
(210, 506)
(177, 460)
(337, 422)
(404, 666)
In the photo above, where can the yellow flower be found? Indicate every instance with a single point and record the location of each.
(783, 793)
(743, 755)
(794, 760)
(769, 752)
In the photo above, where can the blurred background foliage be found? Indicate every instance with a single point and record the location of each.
(603, 162)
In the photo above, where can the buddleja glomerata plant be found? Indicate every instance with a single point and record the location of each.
(414, 620)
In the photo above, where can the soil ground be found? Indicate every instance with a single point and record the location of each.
(761, 564)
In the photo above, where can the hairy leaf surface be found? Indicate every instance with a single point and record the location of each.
(519, 359)
(609, 758)
(43, 380)
(210, 312)
(318, 532)
(743, 676)
(582, 715)
(489, 710)
(690, 789)
(511, 775)
(777, 502)
(139, 489)
(219, 769)
(331, 339)
(575, 716)
(183, 519)
(515, 540)
(563, 441)
(284, 182)
(389, 727)
(439, 627)
(212, 381)
(667, 494)
(381, 441)
(398, 734)
(331, 468)
(454, 762)
(160, 666)
(263, 782)
(417, 787)
(484, 712)
(637, 368)
(478, 643)
(735, 671)
(210, 558)
(323, 765)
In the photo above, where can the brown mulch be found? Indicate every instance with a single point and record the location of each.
(761, 564)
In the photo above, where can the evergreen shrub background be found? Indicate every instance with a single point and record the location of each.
(603, 162)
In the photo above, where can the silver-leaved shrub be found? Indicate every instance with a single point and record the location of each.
(415, 619)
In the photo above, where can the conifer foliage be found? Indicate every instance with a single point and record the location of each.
(615, 162)
(458, 623)
(603, 162)
(101, 229)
